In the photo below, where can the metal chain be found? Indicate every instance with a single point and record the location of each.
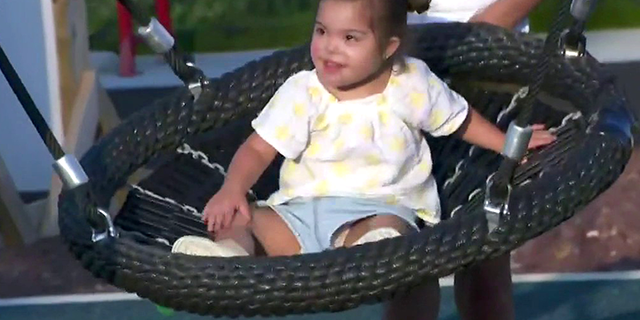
(203, 158)
(186, 208)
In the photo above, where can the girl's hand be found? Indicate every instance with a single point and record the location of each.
(540, 136)
(222, 208)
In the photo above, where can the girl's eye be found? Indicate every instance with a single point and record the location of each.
(350, 37)
(320, 31)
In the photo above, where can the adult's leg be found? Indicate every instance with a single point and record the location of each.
(484, 291)
(421, 303)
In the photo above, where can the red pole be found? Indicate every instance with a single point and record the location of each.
(127, 43)
(163, 10)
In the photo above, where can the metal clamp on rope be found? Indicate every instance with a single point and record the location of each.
(195, 86)
(496, 202)
(573, 44)
(581, 9)
(573, 41)
(496, 198)
(70, 172)
(161, 41)
(110, 230)
(517, 141)
(156, 36)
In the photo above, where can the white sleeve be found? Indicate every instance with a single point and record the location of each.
(285, 121)
(441, 111)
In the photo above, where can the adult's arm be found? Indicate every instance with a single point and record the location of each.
(506, 13)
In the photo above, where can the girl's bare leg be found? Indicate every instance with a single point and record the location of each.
(269, 229)
(421, 303)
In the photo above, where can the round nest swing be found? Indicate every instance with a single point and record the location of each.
(186, 146)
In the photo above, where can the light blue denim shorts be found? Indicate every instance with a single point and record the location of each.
(315, 221)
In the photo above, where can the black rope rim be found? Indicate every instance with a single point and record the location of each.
(345, 278)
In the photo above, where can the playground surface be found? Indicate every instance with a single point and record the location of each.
(608, 296)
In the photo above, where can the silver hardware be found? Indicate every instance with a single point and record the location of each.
(517, 138)
(580, 9)
(495, 207)
(517, 141)
(70, 172)
(196, 86)
(156, 36)
(110, 231)
(573, 46)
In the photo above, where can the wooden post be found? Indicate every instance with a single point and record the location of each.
(16, 227)
(87, 109)
(64, 41)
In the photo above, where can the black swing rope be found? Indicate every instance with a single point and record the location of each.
(190, 75)
(504, 175)
(175, 58)
(55, 149)
(30, 107)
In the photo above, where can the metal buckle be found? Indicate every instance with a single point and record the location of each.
(495, 207)
(195, 87)
(110, 231)
(573, 45)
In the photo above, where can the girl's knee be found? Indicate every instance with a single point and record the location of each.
(373, 229)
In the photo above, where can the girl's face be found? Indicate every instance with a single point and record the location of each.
(344, 48)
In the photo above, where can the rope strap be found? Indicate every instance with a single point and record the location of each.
(66, 166)
(498, 187)
(29, 107)
(162, 42)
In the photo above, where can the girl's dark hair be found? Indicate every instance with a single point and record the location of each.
(389, 19)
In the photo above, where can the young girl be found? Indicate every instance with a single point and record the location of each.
(357, 167)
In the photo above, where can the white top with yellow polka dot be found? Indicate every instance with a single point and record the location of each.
(370, 147)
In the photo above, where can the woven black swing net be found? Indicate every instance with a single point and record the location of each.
(170, 157)
(186, 146)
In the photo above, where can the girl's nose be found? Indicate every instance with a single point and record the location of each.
(332, 45)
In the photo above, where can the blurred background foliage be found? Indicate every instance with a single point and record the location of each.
(233, 25)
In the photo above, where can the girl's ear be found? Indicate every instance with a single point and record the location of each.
(392, 46)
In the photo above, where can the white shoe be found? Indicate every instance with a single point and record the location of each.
(199, 246)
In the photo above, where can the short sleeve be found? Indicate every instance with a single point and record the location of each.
(284, 122)
(440, 110)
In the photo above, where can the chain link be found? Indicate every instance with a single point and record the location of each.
(202, 157)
